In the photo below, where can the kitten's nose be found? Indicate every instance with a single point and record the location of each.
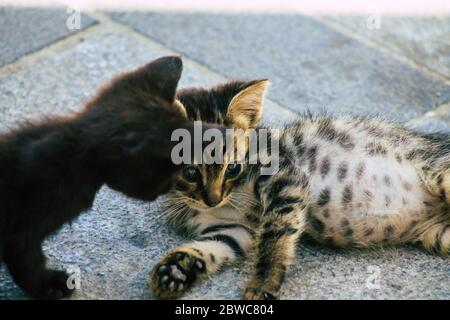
(213, 199)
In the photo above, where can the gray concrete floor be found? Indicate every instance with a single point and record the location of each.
(400, 71)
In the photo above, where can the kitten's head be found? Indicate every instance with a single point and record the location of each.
(236, 105)
(130, 121)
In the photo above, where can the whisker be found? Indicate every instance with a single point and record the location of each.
(235, 206)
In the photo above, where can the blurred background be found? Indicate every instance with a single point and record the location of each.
(386, 58)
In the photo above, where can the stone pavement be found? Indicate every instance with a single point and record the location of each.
(332, 63)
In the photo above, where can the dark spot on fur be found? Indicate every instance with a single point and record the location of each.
(346, 142)
(324, 197)
(407, 186)
(346, 230)
(285, 210)
(278, 186)
(347, 195)
(387, 201)
(443, 195)
(375, 149)
(374, 131)
(311, 155)
(327, 131)
(411, 155)
(388, 231)
(298, 139)
(387, 180)
(326, 213)
(325, 167)
(212, 257)
(316, 223)
(342, 171)
(360, 170)
(368, 195)
(198, 251)
(398, 157)
(281, 201)
(368, 232)
(285, 162)
(286, 155)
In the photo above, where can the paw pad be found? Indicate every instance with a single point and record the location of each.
(171, 278)
(176, 274)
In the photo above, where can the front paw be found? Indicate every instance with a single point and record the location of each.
(175, 274)
(256, 289)
(53, 286)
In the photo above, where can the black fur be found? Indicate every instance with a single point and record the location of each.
(211, 103)
(51, 171)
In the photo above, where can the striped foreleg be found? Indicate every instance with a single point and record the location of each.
(283, 223)
(217, 245)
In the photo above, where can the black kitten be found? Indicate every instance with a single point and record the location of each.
(51, 171)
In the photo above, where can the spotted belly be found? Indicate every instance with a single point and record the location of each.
(366, 201)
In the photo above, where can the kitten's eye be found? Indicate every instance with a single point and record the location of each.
(233, 170)
(191, 174)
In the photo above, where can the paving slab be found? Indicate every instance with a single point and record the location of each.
(423, 39)
(437, 120)
(25, 30)
(119, 240)
(310, 65)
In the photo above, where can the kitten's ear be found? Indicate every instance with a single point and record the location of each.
(159, 77)
(245, 108)
(163, 75)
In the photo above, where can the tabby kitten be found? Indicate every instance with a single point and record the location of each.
(51, 171)
(345, 182)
